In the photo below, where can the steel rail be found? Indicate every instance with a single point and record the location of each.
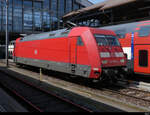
(123, 94)
(127, 95)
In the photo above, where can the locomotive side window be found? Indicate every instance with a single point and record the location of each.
(106, 40)
(144, 31)
(143, 58)
(80, 42)
(101, 40)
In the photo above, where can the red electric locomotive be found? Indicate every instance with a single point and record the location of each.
(81, 51)
(135, 41)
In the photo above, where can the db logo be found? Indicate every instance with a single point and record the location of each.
(35, 52)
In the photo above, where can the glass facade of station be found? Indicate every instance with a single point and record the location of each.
(34, 16)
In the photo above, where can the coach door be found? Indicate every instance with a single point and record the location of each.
(73, 54)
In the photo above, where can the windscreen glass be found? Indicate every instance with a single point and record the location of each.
(106, 40)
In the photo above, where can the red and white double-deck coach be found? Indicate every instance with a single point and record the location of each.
(135, 40)
(81, 51)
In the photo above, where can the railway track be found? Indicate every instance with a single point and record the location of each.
(130, 95)
(139, 94)
(37, 98)
(136, 96)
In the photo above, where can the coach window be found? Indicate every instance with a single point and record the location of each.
(80, 42)
(143, 58)
(144, 31)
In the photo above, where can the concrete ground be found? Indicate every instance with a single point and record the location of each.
(8, 104)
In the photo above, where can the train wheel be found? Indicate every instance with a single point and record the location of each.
(19, 65)
(114, 80)
(73, 76)
(95, 80)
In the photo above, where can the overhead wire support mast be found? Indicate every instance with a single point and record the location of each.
(7, 40)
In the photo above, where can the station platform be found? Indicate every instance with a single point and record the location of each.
(97, 102)
(8, 104)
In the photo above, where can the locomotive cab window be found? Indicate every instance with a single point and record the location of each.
(143, 58)
(144, 31)
(80, 42)
(106, 40)
(101, 40)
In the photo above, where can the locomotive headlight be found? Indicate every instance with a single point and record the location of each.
(105, 54)
(104, 62)
(119, 54)
(95, 69)
(122, 60)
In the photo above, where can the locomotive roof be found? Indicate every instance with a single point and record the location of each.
(47, 35)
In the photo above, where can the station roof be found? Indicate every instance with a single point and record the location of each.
(100, 6)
